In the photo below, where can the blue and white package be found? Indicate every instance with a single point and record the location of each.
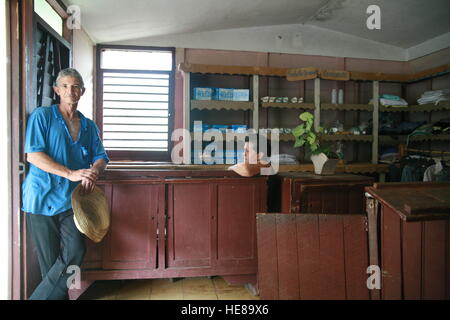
(239, 128)
(241, 95)
(223, 94)
(203, 93)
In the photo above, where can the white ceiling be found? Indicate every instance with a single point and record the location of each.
(404, 23)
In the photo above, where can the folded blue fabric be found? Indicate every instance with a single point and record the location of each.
(391, 97)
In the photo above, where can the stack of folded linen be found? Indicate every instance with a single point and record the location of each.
(389, 100)
(434, 96)
(284, 159)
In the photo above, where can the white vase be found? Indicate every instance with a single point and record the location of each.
(323, 165)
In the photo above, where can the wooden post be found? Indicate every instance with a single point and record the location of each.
(187, 118)
(375, 123)
(256, 102)
(317, 104)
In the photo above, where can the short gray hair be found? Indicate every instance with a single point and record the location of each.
(70, 72)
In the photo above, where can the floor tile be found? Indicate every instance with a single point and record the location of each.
(199, 296)
(198, 288)
(135, 290)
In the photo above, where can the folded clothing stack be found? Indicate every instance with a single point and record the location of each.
(389, 100)
(284, 159)
(434, 96)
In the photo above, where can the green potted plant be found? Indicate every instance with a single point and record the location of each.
(323, 158)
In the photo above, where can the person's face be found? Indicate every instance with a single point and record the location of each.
(69, 90)
(250, 154)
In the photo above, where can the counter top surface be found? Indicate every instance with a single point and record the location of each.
(304, 167)
(416, 200)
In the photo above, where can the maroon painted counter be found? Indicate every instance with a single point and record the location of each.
(168, 224)
(311, 256)
(301, 192)
(409, 240)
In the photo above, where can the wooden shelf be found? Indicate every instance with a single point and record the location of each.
(220, 105)
(346, 107)
(444, 105)
(392, 139)
(309, 106)
(232, 70)
(225, 137)
(282, 72)
(430, 137)
(347, 137)
(332, 137)
(396, 139)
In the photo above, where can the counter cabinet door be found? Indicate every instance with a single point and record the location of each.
(328, 198)
(190, 225)
(312, 256)
(131, 240)
(237, 206)
(93, 257)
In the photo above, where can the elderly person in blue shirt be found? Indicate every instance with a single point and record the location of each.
(64, 149)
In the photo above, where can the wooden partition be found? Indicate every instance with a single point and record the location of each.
(410, 239)
(312, 256)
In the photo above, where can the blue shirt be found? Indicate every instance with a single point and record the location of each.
(45, 193)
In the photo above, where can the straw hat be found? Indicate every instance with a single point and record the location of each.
(91, 213)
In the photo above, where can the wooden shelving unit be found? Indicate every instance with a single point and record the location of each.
(221, 105)
(306, 106)
(444, 105)
(346, 107)
(255, 105)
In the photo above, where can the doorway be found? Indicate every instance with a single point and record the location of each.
(38, 53)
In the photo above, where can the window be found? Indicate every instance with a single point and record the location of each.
(49, 15)
(135, 98)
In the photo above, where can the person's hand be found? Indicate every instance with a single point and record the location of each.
(87, 186)
(88, 178)
(83, 174)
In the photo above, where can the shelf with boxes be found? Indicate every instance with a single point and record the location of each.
(219, 105)
(355, 107)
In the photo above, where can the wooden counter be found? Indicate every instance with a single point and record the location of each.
(409, 239)
(357, 168)
(167, 224)
(299, 192)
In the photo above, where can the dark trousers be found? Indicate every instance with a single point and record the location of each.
(59, 245)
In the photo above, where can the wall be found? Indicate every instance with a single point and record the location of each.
(83, 61)
(293, 39)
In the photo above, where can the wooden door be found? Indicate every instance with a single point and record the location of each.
(312, 256)
(93, 257)
(132, 237)
(415, 258)
(42, 54)
(190, 224)
(237, 204)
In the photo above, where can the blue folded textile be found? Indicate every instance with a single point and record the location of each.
(391, 97)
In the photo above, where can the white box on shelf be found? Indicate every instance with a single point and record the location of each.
(241, 95)
(203, 93)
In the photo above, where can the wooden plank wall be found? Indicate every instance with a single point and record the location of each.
(415, 258)
(312, 256)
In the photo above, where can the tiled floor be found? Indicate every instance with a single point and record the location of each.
(163, 289)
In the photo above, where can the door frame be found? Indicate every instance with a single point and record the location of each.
(22, 33)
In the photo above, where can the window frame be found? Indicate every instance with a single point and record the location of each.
(129, 155)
